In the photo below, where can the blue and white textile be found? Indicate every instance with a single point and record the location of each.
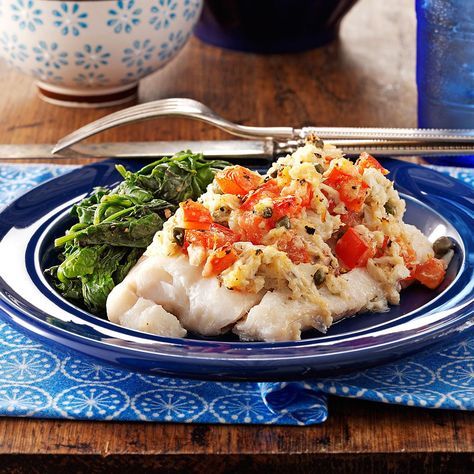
(38, 381)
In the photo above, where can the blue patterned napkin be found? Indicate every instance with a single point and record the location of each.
(38, 381)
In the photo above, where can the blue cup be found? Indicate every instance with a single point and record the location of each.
(445, 67)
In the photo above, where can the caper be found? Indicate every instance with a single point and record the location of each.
(389, 208)
(319, 168)
(284, 222)
(178, 235)
(317, 142)
(319, 276)
(267, 212)
(442, 246)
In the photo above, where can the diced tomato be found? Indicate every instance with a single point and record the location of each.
(307, 197)
(201, 238)
(267, 189)
(352, 189)
(331, 204)
(302, 190)
(227, 233)
(353, 250)
(195, 215)
(285, 206)
(431, 273)
(217, 236)
(294, 247)
(237, 180)
(219, 260)
(368, 161)
(253, 227)
(350, 218)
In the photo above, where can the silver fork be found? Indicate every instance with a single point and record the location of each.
(390, 141)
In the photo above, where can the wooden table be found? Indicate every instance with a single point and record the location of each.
(367, 78)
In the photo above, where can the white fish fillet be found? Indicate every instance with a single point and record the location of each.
(421, 245)
(278, 318)
(168, 295)
(124, 307)
(178, 288)
(146, 315)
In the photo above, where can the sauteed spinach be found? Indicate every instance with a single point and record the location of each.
(114, 226)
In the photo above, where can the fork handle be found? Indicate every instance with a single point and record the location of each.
(285, 138)
(424, 136)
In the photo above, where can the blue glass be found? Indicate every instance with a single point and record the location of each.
(445, 67)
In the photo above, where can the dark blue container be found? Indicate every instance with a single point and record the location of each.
(271, 26)
(445, 67)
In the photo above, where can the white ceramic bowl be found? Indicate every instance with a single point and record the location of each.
(88, 53)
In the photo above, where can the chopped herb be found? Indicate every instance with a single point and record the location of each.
(284, 222)
(267, 212)
(178, 235)
(319, 276)
(319, 168)
(389, 208)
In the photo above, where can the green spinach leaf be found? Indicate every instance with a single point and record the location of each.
(114, 226)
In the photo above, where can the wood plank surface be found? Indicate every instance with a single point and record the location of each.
(353, 427)
(367, 78)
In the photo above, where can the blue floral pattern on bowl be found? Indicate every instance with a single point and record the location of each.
(13, 50)
(82, 47)
(163, 13)
(50, 55)
(47, 75)
(124, 17)
(138, 53)
(133, 76)
(191, 9)
(92, 57)
(174, 43)
(26, 14)
(70, 19)
(91, 79)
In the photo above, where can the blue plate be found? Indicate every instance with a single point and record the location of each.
(436, 204)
